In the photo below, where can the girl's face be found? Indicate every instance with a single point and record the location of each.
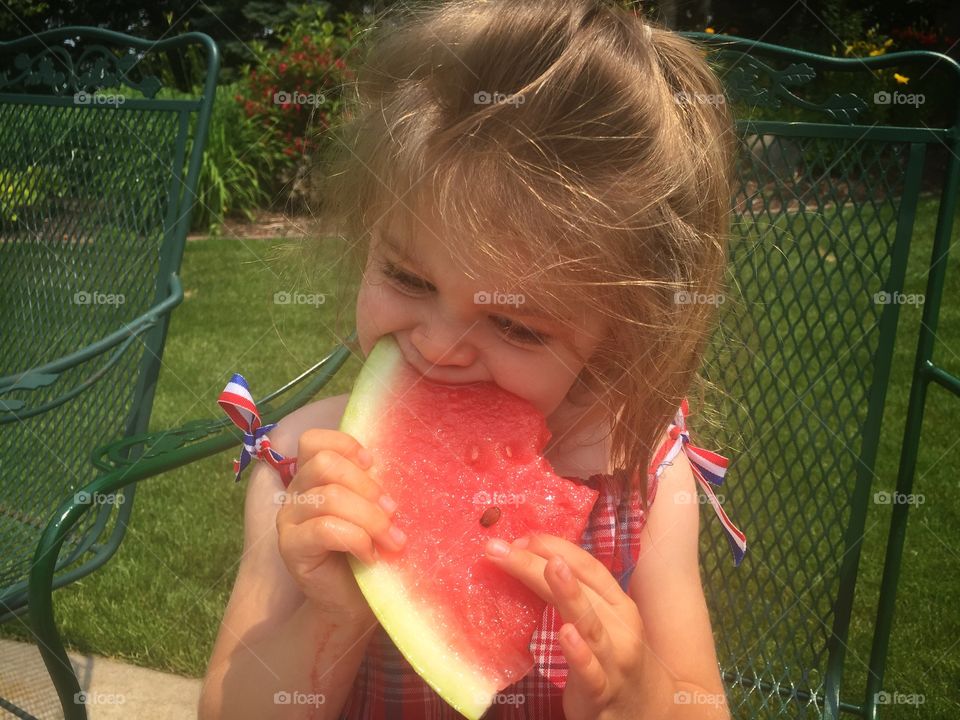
(453, 329)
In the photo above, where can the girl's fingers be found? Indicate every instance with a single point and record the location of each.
(312, 541)
(578, 609)
(575, 601)
(586, 673)
(328, 467)
(585, 566)
(316, 439)
(341, 502)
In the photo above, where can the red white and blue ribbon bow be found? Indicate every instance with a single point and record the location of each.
(709, 467)
(238, 404)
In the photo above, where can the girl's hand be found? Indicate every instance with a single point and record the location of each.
(602, 635)
(333, 506)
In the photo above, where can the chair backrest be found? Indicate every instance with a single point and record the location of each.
(830, 170)
(98, 174)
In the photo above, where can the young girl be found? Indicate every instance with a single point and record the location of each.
(538, 195)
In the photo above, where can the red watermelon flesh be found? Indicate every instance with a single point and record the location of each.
(463, 464)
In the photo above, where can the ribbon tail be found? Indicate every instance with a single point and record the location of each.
(711, 465)
(736, 538)
(237, 469)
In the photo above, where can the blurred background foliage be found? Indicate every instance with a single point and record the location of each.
(284, 65)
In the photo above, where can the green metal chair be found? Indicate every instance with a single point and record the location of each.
(824, 217)
(98, 178)
(803, 355)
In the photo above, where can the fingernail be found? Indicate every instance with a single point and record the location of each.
(497, 547)
(365, 458)
(397, 534)
(387, 503)
(563, 570)
(521, 542)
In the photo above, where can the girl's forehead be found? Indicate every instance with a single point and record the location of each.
(483, 259)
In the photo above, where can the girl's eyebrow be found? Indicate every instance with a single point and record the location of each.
(391, 243)
(522, 309)
(532, 311)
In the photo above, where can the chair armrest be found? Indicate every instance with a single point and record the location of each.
(45, 375)
(151, 453)
(934, 373)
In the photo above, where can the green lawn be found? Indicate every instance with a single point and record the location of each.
(158, 602)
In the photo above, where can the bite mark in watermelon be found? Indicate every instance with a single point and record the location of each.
(464, 464)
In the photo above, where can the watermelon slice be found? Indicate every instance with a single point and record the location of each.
(463, 463)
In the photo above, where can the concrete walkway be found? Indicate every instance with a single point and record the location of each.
(113, 689)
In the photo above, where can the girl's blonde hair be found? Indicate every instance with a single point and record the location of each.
(578, 148)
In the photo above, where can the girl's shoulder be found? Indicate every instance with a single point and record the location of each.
(324, 413)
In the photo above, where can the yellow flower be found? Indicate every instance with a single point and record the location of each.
(874, 53)
(710, 30)
(901, 79)
(888, 43)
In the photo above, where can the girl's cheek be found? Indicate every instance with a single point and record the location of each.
(367, 316)
(541, 383)
(380, 311)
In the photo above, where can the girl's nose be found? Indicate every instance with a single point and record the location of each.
(447, 345)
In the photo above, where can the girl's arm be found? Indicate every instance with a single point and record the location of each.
(277, 654)
(666, 586)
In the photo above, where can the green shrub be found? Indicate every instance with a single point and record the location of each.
(294, 93)
(237, 158)
(22, 189)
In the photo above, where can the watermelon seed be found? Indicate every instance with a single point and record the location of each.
(490, 516)
(509, 451)
(474, 453)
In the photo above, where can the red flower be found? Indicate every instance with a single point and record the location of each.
(340, 64)
(283, 68)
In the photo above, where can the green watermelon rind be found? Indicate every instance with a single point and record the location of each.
(410, 628)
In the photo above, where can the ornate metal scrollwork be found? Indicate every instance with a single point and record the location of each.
(54, 68)
(755, 83)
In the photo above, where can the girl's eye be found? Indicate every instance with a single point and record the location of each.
(405, 279)
(417, 285)
(519, 333)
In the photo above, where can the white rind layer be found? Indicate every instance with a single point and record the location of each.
(409, 627)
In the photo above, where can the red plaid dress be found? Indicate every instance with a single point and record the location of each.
(387, 687)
